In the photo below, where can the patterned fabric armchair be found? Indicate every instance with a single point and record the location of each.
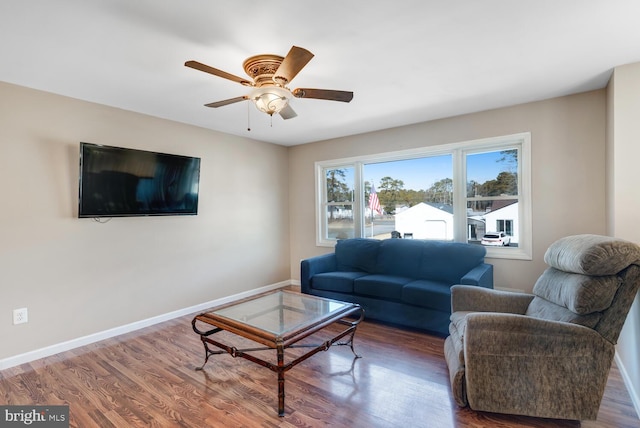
(545, 354)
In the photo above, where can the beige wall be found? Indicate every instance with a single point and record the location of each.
(623, 153)
(568, 171)
(78, 277)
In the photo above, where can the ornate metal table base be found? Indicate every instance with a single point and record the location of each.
(287, 337)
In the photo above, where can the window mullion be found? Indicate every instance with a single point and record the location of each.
(358, 201)
(459, 196)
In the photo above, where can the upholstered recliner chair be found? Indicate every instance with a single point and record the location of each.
(545, 354)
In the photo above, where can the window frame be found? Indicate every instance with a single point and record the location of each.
(458, 152)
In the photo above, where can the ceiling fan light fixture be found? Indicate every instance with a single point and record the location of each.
(270, 75)
(270, 99)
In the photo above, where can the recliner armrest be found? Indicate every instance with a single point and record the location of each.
(500, 334)
(479, 299)
(531, 366)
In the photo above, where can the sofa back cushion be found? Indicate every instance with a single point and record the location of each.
(357, 254)
(400, 257)
(419, 259)
(449, 261)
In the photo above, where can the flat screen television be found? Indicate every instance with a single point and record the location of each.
(120, 182)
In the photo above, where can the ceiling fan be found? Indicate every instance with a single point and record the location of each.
(270, 75)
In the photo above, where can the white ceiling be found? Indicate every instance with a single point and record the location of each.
(406, 61)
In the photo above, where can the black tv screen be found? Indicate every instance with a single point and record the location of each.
(120, 182)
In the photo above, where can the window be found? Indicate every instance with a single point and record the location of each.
(493, 193)
(338, 203)
(456, 192)
(413, 202)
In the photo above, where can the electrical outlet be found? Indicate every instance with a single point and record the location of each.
(20, 316)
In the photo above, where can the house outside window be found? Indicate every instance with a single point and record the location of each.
(455, 192)
(505, 226)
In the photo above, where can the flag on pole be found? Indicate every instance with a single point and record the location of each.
(374, 202)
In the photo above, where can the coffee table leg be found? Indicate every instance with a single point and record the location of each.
(206, 357)
(354, 325)
(280, 353)
(351, 345)
(203, 337)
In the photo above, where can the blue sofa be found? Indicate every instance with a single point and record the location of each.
(400, 281)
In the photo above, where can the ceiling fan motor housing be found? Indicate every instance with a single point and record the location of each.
(261, 68)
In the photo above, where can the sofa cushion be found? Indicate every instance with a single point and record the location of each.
(357, 254)
(335, 281)
(428, 294)
(579, 293)
(400, 257)
(383, 286)
(449, 261)
(592, 254)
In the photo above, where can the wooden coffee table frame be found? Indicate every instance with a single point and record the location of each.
(279, 343)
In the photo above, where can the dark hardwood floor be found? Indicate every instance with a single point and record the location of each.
(148, 379)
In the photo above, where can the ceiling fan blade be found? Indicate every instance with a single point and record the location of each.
(288, 113)
(227, 102)
(203, 67)
(291, 65)
(323, 94)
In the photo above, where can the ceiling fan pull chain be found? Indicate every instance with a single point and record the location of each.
(248, 118)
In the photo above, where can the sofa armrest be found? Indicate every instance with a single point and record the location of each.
(481, 275)
(315, 265)
(478, 299)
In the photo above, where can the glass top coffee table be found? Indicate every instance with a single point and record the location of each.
(279, 321)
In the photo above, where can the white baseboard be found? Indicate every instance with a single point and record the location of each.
(635, 398)
(106, 334)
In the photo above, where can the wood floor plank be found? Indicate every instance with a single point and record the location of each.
(148, 379)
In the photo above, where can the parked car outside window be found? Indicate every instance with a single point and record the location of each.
(497, 239)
